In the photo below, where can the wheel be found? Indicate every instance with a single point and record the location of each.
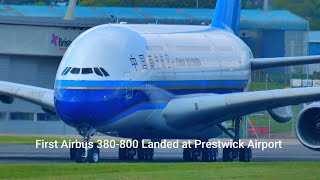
(150, 154)
(206, 154)
(79, 155)
(227, 155)
(195, 153)
(141, 154)
(187, 154)
(93, 155)
(209, 154)
(245, 154)
(214, 154)
(122, 154)
(73, 153)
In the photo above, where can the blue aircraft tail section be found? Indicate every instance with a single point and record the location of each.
(227, 15)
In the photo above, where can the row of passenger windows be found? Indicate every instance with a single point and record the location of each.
(97, 71)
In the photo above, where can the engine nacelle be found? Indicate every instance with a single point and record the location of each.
(6, 99)
(282, 114)
(308, 126)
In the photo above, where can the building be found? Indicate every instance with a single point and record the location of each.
(314, 49)
(34, 38)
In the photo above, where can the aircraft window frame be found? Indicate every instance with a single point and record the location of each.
(77, 70)
(65, 69)
(69, 69)
(104, 72)
(86, 71)
(97, 71)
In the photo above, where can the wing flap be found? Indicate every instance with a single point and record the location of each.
(264, 63)
(40, 96)
(216, 108)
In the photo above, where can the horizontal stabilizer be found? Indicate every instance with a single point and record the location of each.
(264, 63)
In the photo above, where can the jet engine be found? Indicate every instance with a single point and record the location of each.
(308, 126)
(6, 99)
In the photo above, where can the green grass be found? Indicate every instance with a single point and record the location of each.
(292, 170)
(263, 120)
(19, 139)
(259, 86)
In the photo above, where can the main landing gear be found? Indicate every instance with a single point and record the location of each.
(139, 153)
(198, 153)
(243, 153)
(83, 153)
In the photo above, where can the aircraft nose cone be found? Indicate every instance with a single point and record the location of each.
(78, 114)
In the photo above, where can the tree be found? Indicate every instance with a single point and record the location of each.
(308, 9)
(40, 3)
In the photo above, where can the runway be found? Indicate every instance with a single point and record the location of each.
(29, 154)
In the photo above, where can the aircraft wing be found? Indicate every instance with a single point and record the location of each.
(264, 63)
(40, 96)
(215, 108)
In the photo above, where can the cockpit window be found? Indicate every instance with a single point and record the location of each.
(86, 71)
(75, 71)
(66, 71)
(104, 72)
(97, 71)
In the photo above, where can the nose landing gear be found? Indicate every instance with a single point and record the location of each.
(85, 153)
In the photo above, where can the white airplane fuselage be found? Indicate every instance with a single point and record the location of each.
(147, 65)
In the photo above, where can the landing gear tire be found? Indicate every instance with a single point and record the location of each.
(145, 154)
(150, 154)
(73, 153)
(80, 155)
(187, 154)
(126, 154)
(93, 155)
(122, 154)
(227, 155)
(140, 154)
(245, 154)
(209, 154)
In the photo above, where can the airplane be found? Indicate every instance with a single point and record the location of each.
(167, 82)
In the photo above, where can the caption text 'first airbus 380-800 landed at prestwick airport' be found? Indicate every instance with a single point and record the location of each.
(166, 82)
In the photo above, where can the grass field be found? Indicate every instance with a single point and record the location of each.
(291, 170)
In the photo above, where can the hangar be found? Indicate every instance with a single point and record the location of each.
(34, 38)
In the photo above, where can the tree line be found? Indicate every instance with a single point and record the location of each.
(308, 9)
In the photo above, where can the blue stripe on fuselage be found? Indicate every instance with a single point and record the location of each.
(159, 84)
(103, 102)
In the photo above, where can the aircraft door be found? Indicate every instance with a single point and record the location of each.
(203, 82)
(128, 84)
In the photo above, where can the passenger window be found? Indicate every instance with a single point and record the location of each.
(86, 71)
(104, 72)
(75, 71)
(67, 71)
(98, 72)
